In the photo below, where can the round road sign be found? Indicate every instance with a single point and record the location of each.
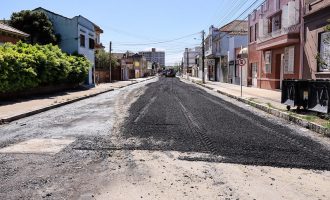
(241, 61)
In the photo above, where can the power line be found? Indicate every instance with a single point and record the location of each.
(243, 14)
(159, 42)
(232, 11)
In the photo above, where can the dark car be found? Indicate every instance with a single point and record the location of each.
(170, 73)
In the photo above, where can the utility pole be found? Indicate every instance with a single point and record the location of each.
(203, 56)
(187, 50)
(110, 60)
(241, 73)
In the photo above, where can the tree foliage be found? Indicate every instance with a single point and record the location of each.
(24, 66)
(102, 60)
(36, 24)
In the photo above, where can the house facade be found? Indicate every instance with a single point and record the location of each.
(237, 34)
(77, 36)
(10, 34)
(133, 66)
(212, 54)
(275, 43)
(189, 61)
(220, 47)
(316, 54)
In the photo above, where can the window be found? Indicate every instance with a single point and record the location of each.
(324, 52)
(274, 23)
(91, 43)
(82, 40)
(252, 34)
(256, 36)
(268, 62)
(288, 61)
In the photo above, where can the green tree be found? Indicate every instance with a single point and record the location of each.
(102, 60)
(36, 24)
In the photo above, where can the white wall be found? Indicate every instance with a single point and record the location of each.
(86, 51)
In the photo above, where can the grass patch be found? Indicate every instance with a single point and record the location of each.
(270, 105)
(310, 118)
(327, 125)
(253, 100)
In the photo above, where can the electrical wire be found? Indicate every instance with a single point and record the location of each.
(159, 42)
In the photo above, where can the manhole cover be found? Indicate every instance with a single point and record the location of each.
(38, 146)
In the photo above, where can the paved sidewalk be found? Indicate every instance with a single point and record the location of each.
(10, 111)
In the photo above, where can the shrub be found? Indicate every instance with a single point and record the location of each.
(24, 66)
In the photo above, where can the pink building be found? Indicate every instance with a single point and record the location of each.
(274, 43)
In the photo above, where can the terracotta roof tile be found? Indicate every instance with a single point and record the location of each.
(236, 27)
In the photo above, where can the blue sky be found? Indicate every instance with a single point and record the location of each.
(144, 21)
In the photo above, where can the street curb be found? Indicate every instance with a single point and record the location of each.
(286, 116)
(34, 112)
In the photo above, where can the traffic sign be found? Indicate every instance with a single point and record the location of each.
(241, 61)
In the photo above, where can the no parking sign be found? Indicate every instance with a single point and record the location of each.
(241, 62)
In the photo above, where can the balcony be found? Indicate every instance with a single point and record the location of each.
(280, 28)
(279, 38)
(99, 46)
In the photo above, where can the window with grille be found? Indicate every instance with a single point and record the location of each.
(324, 52)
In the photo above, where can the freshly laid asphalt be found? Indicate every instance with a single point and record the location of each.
(173, 115)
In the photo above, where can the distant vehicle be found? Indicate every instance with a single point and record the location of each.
(170, 73)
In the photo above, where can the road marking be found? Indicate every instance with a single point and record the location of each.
(38, 146)
(145, 109)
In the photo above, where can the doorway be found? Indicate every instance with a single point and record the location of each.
(278, 66)
(254, 74)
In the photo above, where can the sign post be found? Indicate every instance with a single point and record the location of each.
(241, 63)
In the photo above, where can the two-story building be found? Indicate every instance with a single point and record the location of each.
(316, 40)
(220, 47)
(77, 36)
(133, 66)
(274, 43)
(211, 54)
(236, 34)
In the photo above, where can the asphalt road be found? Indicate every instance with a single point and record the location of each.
(185, 118)
(92, 141)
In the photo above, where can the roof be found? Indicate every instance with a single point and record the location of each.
(40, 8)
(236, 27)
(95, 26)
(9, 29)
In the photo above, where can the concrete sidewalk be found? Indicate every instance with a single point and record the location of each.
(13, 110)
(268, 101)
